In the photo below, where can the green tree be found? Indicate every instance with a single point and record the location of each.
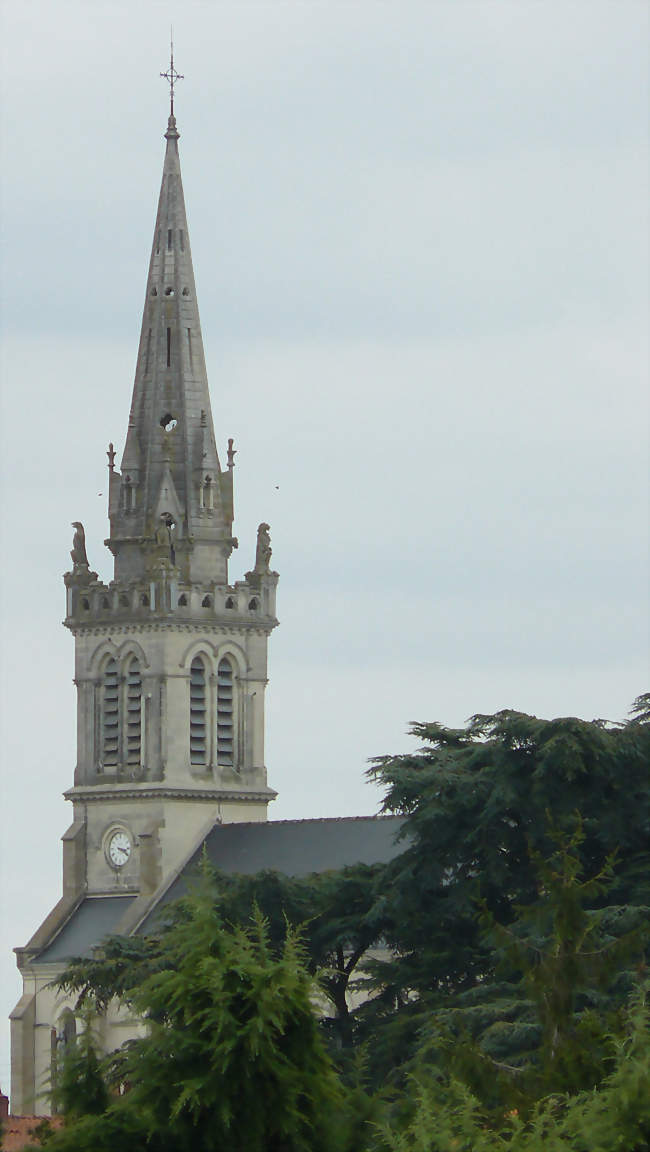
(513, 916)
(441, 1114)
(80, 1087)
(339, 914)
(482, 805)
(232, 1057)
(340, 918)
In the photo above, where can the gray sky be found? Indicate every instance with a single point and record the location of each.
(420, 239)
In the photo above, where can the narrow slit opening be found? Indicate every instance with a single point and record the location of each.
(169, 347)
(169, 239)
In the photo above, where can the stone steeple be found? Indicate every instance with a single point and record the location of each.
(171, 479)
(170, 658)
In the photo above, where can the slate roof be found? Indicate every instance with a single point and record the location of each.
(292, 847)
(300, 847)
(95, 918)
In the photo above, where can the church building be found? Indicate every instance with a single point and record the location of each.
(170, 675)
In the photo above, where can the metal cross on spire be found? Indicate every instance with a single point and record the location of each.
(171, 75)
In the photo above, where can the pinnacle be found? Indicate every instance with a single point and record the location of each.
(172, 133)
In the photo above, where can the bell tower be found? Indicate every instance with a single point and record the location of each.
(170, 658)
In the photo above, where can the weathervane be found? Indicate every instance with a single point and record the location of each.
(171, 76)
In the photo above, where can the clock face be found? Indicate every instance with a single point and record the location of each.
(119, 849)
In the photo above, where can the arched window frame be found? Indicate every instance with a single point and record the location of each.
(226, 713)
(109, 715)
(120, 729)
(132, 715)
(199, 711)
(212, 657)
(62, 1038)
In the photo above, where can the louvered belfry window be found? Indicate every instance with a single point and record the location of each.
(133, 715)
(198, 707)
(225, 718)
(110, 715)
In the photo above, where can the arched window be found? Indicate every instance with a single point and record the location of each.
(225, 713)
(61, 1040)
(198, 705)
(110, 721)
(67, 1030)
(133, 714)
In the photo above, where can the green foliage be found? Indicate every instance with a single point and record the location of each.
(516, 917)
(80, 1088)
(232, 1058)
(442, 1115)
(340, 918)
(483, 805)
(115, 969)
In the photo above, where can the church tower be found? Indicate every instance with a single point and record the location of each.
(170, 658)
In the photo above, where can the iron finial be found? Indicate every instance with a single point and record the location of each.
(171, 75)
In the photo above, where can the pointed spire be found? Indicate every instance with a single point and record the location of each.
(170, 463)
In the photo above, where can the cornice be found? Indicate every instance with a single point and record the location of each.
(100, 793)
(201, 626)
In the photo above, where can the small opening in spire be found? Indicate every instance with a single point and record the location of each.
(169, 291)
(169, 347)
(186, 291)
(168, 422)
(189, 348)
(181, 237)
(169, 239)
(158, 242)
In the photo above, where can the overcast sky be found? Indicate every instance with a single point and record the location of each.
(420, 240)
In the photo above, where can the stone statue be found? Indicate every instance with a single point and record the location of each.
(263, 552)
(78, 552)
(165, 537)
